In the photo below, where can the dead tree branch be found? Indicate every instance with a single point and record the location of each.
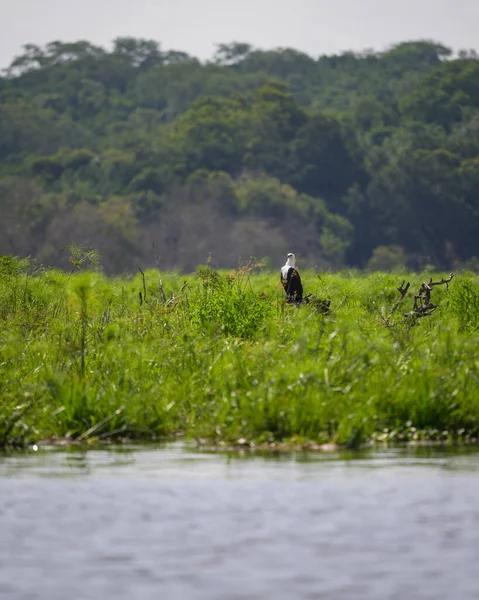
(422, 301)
(403, 290)
(422, 305)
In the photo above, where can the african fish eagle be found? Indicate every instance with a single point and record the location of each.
(291, 280)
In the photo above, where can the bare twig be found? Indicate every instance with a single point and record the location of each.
(403, 290)
(144, 286)
(161, 290)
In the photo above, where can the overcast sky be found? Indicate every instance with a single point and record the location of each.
(314, 26)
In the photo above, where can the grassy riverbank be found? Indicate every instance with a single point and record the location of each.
(224, 359)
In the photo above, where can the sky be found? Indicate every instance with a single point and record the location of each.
(195, 26)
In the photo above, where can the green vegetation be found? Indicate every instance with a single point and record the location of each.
(356, 160)
(84, 357)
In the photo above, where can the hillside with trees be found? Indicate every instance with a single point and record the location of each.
(359, 160)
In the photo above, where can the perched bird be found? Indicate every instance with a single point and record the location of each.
(291, 280)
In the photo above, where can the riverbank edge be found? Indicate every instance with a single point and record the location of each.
(244, 446)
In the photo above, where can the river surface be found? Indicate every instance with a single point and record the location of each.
(171, 523)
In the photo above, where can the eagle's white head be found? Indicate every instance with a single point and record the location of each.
(290, 262)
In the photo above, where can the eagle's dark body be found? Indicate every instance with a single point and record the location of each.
(292, 285)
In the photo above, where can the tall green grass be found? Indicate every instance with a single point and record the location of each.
(226, 360)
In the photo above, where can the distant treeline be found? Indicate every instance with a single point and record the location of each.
(367, 159)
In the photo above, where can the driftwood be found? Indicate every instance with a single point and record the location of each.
(422, 305)
(321, 305)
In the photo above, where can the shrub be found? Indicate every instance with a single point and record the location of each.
(227, 303)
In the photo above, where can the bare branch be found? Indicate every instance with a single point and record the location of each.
(403, 290)
(161, 290)
(446, 281)
(422, 305)
(144, 284)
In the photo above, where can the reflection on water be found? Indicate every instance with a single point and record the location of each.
(179, 460)
(143, 522)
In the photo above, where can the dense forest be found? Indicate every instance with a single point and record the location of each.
(364, 160)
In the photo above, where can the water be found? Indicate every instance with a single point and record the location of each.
(170, 523)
